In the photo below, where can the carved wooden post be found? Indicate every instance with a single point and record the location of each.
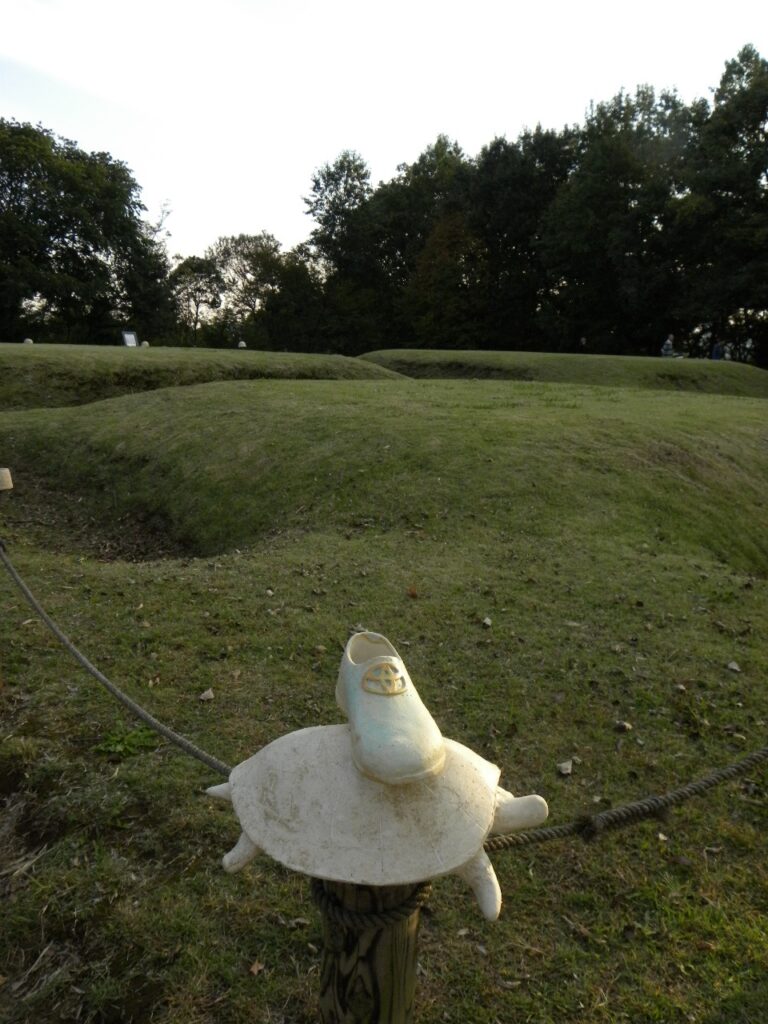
(368, 974)
(371, 811)
(6, 484)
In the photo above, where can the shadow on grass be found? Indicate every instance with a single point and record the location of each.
(749, 1006)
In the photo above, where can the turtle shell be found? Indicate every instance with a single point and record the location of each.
(302, 801)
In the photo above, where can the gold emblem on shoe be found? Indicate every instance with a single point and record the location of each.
(385, 680)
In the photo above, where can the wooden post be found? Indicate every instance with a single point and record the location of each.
(368, 977)
(6, 484)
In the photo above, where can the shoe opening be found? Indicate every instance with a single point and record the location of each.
(365, 646)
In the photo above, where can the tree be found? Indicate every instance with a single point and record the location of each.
(344, 244)
(293, 313)
(721, 212)
(612, 272)
(404, 211)
(442, 297)
(249, 267)
(512, 187)
(75, 254)
(338, 189)
(197, 286)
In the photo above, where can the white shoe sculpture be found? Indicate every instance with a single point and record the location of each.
(394, 738)
(385, 800)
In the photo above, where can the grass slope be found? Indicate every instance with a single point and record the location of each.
(724, 378)
(614, 539)
(57, 375)
(216, 466)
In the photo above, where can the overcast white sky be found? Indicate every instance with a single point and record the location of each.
(224, 108)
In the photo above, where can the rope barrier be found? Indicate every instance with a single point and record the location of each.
(587, 826)
(136, 709)
(361, 921)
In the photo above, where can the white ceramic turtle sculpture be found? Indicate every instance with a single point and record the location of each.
(384, 800)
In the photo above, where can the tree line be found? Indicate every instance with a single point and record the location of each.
(649, 218)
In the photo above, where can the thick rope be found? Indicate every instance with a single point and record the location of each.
(589, 826)
(133, 707)
(361, 921)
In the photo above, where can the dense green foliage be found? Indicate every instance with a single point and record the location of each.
(649, 219)
(613, 537)
(76, 258)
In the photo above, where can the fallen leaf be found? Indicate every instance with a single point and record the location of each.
(256, 967)
(487, 622)
(734, 666)
(621, 726)
(412, 592)
(565, 767)
(206, 695)
(684, 862)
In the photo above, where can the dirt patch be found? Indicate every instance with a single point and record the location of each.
(55, 521)
(459, 370)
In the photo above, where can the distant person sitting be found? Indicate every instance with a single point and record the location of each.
(668, 348)
(717, 351)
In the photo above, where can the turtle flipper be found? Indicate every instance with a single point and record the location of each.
(516, 812)
(222, 792)
(478, 873)
(242, 853)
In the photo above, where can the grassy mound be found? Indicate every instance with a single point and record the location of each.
(60, 375)
(216, 466)
(723, 378)
(550, 561)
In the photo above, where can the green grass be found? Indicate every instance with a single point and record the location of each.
(214, 467)
(724, 378)
(57, 375)
(614, 537)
